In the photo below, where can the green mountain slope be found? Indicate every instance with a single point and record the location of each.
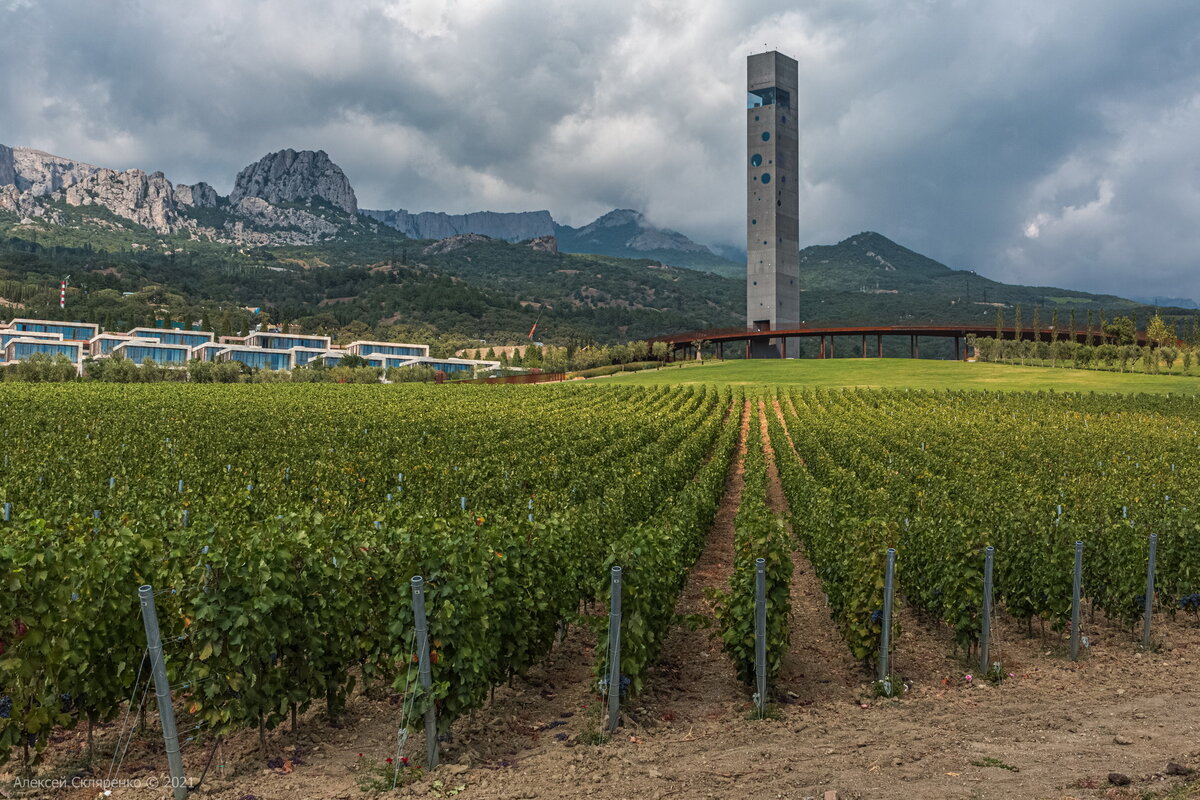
(369, 280)
(869, 278)
(381, 282)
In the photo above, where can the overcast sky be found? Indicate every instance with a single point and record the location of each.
(1039, 141)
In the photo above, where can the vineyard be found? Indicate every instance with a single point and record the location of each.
(279, 527)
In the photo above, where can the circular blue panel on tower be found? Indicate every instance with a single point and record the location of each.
(766, 177)
(753, 222)
(766, 136)
(756, 160)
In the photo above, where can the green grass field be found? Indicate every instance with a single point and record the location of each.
(909, 373)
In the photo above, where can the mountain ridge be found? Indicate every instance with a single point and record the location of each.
(284, 198)
(309, 198)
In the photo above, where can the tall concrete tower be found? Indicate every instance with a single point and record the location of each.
(772, 198)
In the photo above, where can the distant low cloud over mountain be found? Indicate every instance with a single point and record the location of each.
(511, 227)
(1032, 141)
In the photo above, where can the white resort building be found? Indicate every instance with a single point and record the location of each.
(175, 347)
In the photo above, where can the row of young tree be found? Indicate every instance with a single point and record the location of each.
(1112, 344)
(551, 358)
(1098, 329)
(1064, 353)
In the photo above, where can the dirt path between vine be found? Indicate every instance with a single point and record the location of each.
(694, 680)
(818, 666)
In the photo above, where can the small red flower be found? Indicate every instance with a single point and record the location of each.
(404, 761)
(389, 761)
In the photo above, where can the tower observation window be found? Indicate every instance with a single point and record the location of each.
(768, 97)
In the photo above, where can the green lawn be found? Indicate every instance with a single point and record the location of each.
(911, 373)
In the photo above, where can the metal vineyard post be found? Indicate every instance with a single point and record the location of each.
(885, 639)
(614, 651)
(1076, 591)
(431, 742)
(162, 693)
(760, 634)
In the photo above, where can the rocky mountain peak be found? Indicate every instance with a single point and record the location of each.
(198, 195)
(288, 176)
(147, 200)
(39, 173)
(8, 172)
(628, 229)
(618, 217)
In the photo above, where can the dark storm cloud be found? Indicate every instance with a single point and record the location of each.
(1033, 141)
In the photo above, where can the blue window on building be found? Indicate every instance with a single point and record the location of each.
(444, 367)
(175, 337)
(262, 360)
(766, 136)
(7, 336)
(68, 331)
(304, 357)
(389, 350)
(207, 353)
(756, 160)
(160, 355)
(771, 96)
(288, 342)
(21, 350)
(766, 177)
